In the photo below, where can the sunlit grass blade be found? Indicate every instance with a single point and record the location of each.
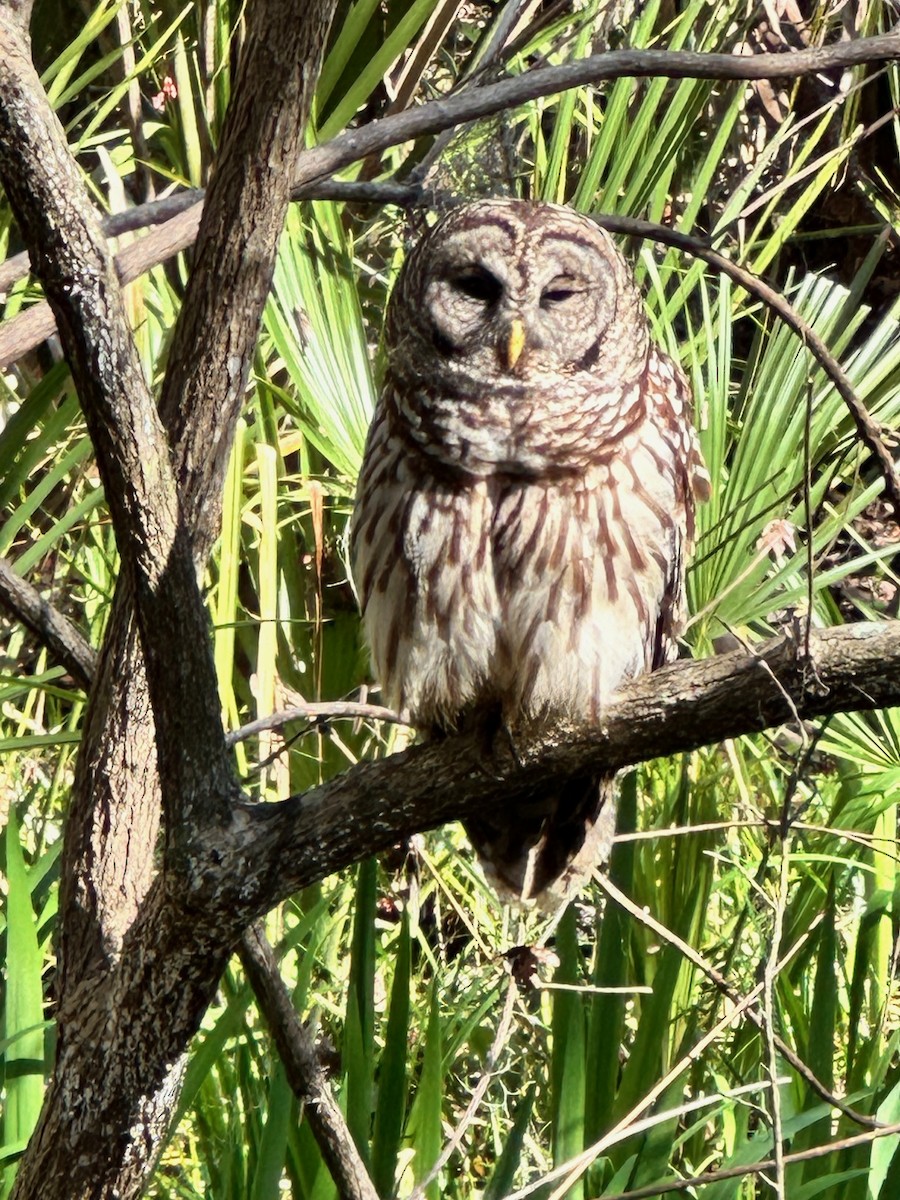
(567, 1069)
(273, 1144)
(57, 75)
(23, 1008)
(424, 1127)
(315, 322)
(501, 1181)
(387, 51)
(359, 1050)
(606, 1012)
(390, 1108)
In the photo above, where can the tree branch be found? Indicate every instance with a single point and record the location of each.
(125, 1026)
(295, 1046)
(316, 712)
(314, 165)
(72, 257)
(154, 212)
(866, 428)
(26, 604)
(284, 847)
(56, 633)
(476, 103)
(243, 218)
(175, 233)
(304, 1071)
(173, 953)
(122, 937)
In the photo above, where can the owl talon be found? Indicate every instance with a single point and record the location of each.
(506, 730)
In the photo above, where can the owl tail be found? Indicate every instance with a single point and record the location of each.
(543, 851)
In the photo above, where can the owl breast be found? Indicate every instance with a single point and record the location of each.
(536, 428)
(538, 595)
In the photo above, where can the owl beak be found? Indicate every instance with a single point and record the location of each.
(515, 343)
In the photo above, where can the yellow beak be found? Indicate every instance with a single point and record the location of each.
(515, 343)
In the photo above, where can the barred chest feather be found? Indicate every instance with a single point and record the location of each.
(543, 595)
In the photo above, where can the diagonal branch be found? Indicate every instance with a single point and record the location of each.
(118, 717)
(282, 848)
(295, 1046)
(866, 428)
(305, 1072)
(237, 243)
(279, 849)
(314, 165)
(72, 257)
(476, 103)
(26, 604)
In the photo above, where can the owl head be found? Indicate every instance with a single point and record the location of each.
(507, 290)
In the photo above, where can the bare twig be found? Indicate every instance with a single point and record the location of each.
(36, 323)
(304, 1070)
(316, 711)
(757, 1168)
(154, 212)
(570, 1172)
(473, 104)
(64, 641)
(26, 604)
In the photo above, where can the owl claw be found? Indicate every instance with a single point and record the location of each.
(505, 729)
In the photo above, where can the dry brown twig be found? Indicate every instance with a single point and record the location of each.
(673, 1186)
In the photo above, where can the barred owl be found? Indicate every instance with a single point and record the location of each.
(525, 505)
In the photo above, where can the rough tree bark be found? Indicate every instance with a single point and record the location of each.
(102, 1122)
(142, 954)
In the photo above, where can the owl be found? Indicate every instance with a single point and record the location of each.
(525, 506)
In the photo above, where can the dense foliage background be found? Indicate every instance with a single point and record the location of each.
(769, 862)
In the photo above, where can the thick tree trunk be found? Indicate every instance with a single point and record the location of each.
(135, 977)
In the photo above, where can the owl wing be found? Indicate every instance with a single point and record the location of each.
(669, 404)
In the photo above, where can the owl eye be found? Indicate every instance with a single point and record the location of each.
(556, 295)
(480, 285)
